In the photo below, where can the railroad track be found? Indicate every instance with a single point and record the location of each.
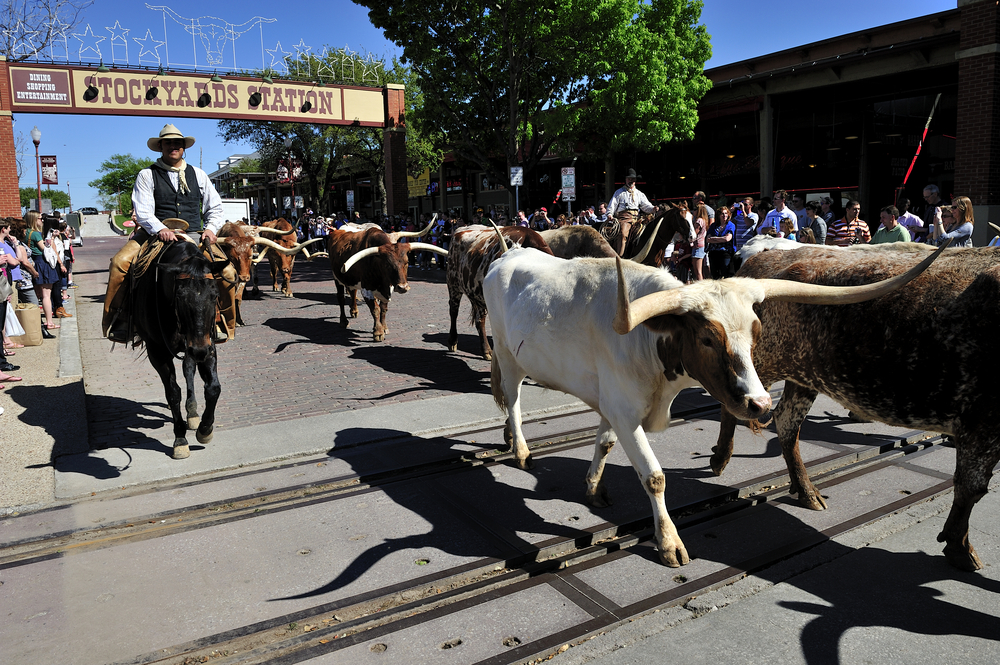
(573, 574)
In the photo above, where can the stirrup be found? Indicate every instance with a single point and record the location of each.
(219, 335)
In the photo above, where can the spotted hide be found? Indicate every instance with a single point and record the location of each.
(473, 249)
(922, 357)
(570, 242)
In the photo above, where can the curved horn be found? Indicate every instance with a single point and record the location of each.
(427, 246)
(641, 256)
(629, 315)
(413, 234)
(503, 243)
(277, 232)
(995, 227)
(287, 251)
(816, 294)
(368, 251)
(317, 255)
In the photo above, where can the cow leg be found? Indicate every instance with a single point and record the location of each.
(191, 405)
(977, 453)
(505, 382)
(788, 416)
(378, 332)
(163, 363)
(454, 303)
(383, 311)
(239, 304)
(597, 493)
(340, 300)
(354, 303)
(722, 451)
(274, 274)
(485, 349)
(208, 370)
(636, 446)
(286, 283)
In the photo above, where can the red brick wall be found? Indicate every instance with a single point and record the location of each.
(10, 199)
(394, 145)
(977, 148)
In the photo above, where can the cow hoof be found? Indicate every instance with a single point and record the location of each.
(453, 347)
(674, 558)
(181, 450)
(378, 338)
(204, 437)
(961, 557)
(718, 464)
(600, 498)
(488, 356)
(193, 422)
(812, 501)
(526, 464)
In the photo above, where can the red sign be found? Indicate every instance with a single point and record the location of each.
(40, 87)
(50, 173)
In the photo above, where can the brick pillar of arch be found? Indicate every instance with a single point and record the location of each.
(10, 197)
(394, 145)
(977, 146)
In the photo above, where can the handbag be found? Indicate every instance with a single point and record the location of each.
(30, 319)
(50, 256)
(12, 326)
(5, 288)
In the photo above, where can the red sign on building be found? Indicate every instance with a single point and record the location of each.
(50, 172)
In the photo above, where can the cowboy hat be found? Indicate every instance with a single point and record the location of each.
(631, 174)
(169, 132)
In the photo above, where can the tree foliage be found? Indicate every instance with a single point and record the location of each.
(34, 28)
(29, 198)
(510, 80)
(328, 152)
(118, 176)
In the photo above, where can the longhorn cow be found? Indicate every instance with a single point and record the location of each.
(921, 358)
(367, 258)
(556, 321)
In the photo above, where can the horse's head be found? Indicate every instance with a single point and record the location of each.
(190, 295)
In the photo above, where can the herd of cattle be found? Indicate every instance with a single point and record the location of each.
(626, 337)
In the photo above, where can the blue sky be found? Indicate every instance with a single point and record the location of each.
(739, 30)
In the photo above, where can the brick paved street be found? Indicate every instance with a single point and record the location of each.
(292, 359)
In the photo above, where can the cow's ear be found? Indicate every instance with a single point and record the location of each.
(663, 323)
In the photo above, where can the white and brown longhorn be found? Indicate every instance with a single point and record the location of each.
(628, 361)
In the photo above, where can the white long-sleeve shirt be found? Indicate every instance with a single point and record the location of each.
(625, 199)
(145, 205)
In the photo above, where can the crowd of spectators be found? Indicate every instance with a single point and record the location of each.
(36, 263)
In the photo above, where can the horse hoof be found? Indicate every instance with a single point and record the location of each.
(205, 437)
(181, 451)
(193, 422)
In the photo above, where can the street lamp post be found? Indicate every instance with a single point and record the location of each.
(69, 195)
(291, 172)
(36, 138)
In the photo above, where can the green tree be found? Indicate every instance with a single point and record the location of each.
(118, 176)
(29, 198)
(508, 81)
(328, 152)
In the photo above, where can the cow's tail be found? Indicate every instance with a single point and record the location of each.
(496, 383)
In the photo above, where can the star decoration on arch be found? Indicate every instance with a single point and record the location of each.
(22, 40)
(149, 46)
(89, 43)
(118, 33)
(302, 56)
(323, 66)
(58, 38)
(278, 56)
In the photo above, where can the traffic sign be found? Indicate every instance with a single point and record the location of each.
(569, 194)
(350, 199)
(569, 177)
(516, 176)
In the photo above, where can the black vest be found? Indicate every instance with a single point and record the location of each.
(171, 203)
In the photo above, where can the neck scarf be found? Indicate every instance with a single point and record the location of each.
(180, 170)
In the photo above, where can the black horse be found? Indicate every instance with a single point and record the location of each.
(173, 312)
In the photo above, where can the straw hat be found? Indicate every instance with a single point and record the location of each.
(169, 132)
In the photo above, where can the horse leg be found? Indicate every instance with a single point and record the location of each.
(163, 363)
(191, 405)
(208, 370)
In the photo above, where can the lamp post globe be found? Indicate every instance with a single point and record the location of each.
(36, 138)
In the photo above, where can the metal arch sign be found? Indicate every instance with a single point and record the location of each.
(54, 89)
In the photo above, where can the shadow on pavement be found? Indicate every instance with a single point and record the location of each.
(438, 369)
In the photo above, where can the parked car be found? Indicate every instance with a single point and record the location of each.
(89, 211)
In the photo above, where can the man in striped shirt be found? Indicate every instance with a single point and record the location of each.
(850, 230)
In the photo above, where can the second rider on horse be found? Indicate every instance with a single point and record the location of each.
(167, 192)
